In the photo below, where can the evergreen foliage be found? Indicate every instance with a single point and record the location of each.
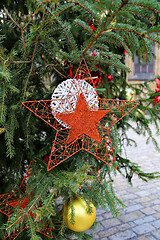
(39, 42)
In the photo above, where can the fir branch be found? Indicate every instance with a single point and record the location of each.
(122, 5)
(22, 214)
(98, 1)
(9, 142)
(23, 41)
(95, 194)
(129, 29)
(114, 36)
(35, 46)
(137, 13)
(61, 9)
(52, 66)
(13, 88)
(115, 210)
(26, 83)
(102, 10)
(32, 231)
(118, 64)
(111, 42)
(68, 35)
(53, 59)
(110, 10)
(91, 43)
(104, 47)
(153, 39)
(27, 125)
(134, 168)
(145, 6)
(11, 18)
(88, 8)
(3, 104)
(83, 25)
(18, 62)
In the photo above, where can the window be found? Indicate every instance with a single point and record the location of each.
(143, 67)
(143, 71)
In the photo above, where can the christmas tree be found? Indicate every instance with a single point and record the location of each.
(60, 151)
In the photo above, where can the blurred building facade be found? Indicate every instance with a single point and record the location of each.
(143, 72)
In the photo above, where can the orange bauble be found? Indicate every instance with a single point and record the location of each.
(82, 219)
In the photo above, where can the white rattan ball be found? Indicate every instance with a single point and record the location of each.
(66, 94)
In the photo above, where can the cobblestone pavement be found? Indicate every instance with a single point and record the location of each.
(141, 217)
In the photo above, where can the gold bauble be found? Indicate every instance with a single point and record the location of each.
(129, 94)
(82, 219)
(139, 113)
(2, 130)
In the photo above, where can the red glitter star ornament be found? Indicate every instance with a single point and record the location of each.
(9, 202)
(81, 119)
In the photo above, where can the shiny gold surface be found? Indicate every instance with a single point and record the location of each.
(82, 219)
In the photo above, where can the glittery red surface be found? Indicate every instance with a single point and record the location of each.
(82, 121)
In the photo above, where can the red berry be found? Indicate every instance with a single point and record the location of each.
(46, 158)
(110, 78)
